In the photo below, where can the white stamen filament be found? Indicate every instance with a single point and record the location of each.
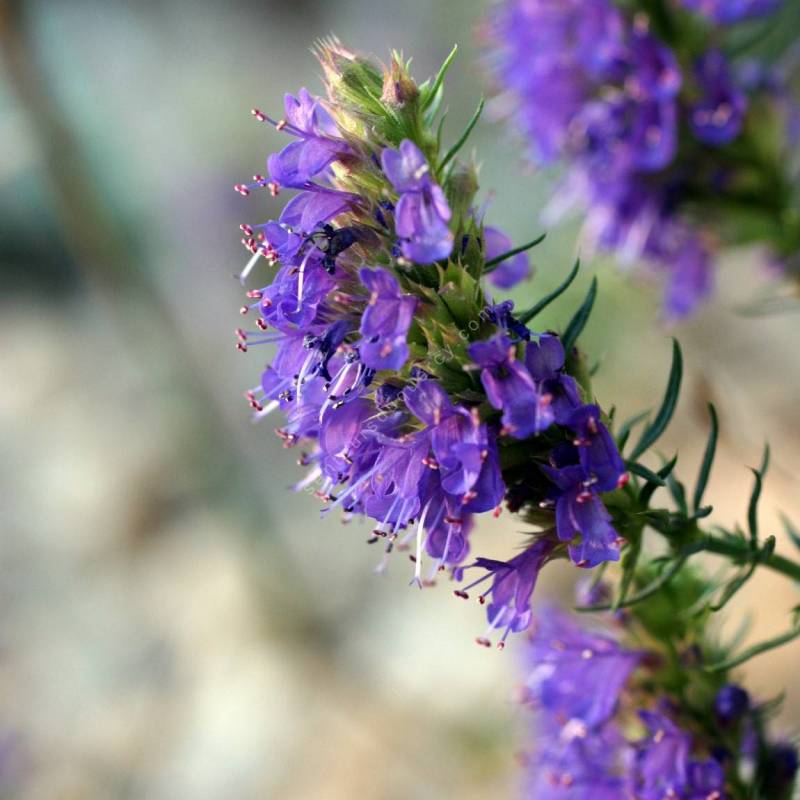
(418, 561)
(332, 394)
(268, 409)
(249, 267)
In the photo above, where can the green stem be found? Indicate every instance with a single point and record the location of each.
(740, 552)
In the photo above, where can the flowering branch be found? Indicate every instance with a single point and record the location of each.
(421, 402)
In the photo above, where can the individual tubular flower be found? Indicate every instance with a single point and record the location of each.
(510, 387)
(511, 588)
(664, 767)
(565, 660)
(717, 117)
(421, 213)
(386, 321)
(613, 112)
(408, 387)
(512, 270)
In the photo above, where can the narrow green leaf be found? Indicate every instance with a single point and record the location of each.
(578, 322)
(649, 489)
(439, 130)
(653, 431)
(708, 459)
(702, 513)
(733, 587)
(740, 580)
(528, 315)
(752, 509)
(755, 650)
(493, 263)
(431, 91)
(643, 472)
(678, 492)
(451, 153)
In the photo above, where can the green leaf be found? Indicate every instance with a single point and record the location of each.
(451, 153)
(733, 587)
(740, 580)
(649, 488)
(653, 431)
(708, 459)
(643, 472)
(702, 512)
(528, 315)
(752, 509)
(578, 322)
(678, 492)
(755, 650)
(430, 92)
(439, 131)
(493, 263)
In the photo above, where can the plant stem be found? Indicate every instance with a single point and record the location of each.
(740, 552)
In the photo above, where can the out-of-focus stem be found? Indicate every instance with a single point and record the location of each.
(740, 553)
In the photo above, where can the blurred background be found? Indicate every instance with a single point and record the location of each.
(173, 622)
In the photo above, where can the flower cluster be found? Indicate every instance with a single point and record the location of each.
(657, 128)
(606, 729)
(412, 391)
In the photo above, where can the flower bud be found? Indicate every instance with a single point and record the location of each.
(731, 703)
(399, 88)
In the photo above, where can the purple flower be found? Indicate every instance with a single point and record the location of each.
(687, 264)
(421, 213)
(705, 779)
(318, 142)
(464, 448)
(662, 762)
(448, 542)
(597, 451)
(717, 117)
(731, 703)
(727, 11)
(513, 270)
(612, 110)
(548, 54)
(512, 585)
(510, 387)
(385, 321)
(308, 210)
(576, 674)
(581, 518)
(664, 767)
(545, 362)
(568, 765)
(653, 68)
